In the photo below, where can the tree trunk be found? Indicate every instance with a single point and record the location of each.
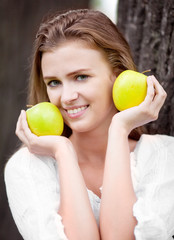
(148, 26)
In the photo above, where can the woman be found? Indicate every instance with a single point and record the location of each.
(100, 180)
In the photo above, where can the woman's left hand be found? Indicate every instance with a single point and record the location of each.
(144, 113)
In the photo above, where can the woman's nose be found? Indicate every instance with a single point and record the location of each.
(69, 94)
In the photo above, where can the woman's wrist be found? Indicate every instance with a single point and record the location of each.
(118, 127)
(64, 150)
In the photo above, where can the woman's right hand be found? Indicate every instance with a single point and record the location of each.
(73, 209)
(43, 145)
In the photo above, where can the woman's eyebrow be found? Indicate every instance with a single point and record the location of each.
(78, 71)
(68, 74)
(48, 77)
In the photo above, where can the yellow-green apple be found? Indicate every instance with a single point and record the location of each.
(129, 89)
(45, 119)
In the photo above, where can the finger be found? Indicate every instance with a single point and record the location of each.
(150, 90)
(26, 130)
(159, 98)
(24, 123)
(159, 90)
(34, 143)
(20, 128)
(18, 124)
(160, 94)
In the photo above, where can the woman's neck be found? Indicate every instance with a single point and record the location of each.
(90, 145)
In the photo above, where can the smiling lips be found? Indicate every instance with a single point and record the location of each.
(76, 112)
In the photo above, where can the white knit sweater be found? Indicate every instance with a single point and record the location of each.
(32, 184)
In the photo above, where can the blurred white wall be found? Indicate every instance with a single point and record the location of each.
(109, 7)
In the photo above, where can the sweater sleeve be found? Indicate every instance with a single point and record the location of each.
(33, 195)
(154, 208)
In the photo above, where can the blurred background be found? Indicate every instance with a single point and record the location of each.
(148, 26)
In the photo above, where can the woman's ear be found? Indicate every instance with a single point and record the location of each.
(113, 77)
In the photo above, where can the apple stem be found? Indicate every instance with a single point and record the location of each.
(149, 70)
(29, 106)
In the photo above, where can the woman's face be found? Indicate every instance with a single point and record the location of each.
(79, 82)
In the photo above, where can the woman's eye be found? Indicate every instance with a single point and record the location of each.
(54, 83)
(81, 77)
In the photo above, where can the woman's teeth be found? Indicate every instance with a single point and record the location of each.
(76, 110)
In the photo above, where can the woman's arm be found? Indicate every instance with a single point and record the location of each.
(118, 197)
(75, 209)
(34, 196)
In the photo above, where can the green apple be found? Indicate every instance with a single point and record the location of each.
(45, 119)
(129, 89)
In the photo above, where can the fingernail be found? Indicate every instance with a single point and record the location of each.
(149, 78)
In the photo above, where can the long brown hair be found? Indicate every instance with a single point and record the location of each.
(93, 27)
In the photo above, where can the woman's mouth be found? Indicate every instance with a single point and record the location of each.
(76, 111)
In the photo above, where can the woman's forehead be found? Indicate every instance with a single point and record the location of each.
(71, 57)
